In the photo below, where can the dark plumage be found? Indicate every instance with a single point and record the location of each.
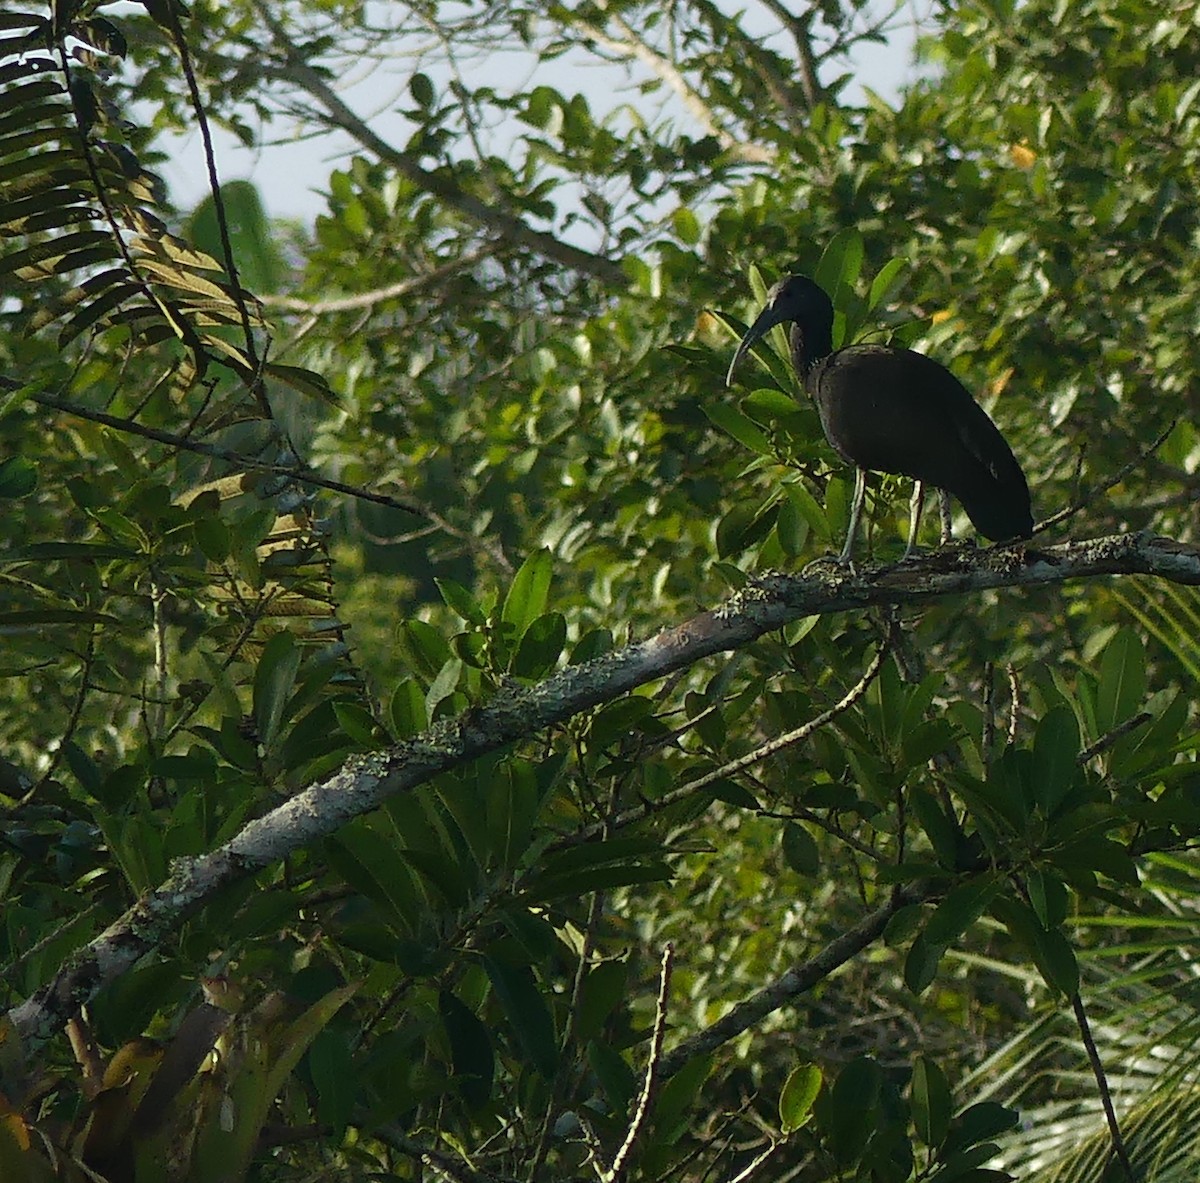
(893, 410)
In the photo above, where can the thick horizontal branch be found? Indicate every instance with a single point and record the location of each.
(364, 782)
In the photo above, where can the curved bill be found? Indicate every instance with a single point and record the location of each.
(768, 318)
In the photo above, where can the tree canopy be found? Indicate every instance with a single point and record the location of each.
(436, 743)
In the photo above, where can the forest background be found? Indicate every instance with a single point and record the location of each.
(426, 750)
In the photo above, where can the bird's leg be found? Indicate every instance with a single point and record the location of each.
(947, 518)
(860, 491)
(914, 517)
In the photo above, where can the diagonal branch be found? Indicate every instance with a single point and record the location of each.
(366, 781)
(501, 222)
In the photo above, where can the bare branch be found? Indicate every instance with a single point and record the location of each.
(294, 472)
(1110, 1114)
(631, 46)
(797, 980)
(393, 291)
(499, 221)
(650, 1078)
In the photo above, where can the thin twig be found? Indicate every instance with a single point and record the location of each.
(500, 221)
(637, 812)
(795, 981)
(746, 1172)
(1110, 1114)
(1109, 738)
(1083, 500)
(393, 291)
(1014, 705)
(650, 1077)
(292, 472)
(214, 187)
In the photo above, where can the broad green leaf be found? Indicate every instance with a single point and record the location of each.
(930, 1099)
(460, 601)
(979, 1123)
(1048, 897)
(796, 1101)
(800, 849)
(940, 828)
(1122, 686)
(1055, 758)
(333, 1076)
(18, 477)
(471, 1056)
(840, 265)
(529, 593)
(1056, 960)
(673, 1107)
(526, 1009)
(540, 647)
(960, 908)
(740, 427)
(852, 1103)
(421, 89)
(273, 682)
(407, 709)
(921, 963)
(604, 989)
(883, 281)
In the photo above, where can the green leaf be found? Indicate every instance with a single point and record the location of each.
(471, 1056)
(424, 648)
(796, 1101)
(745, 524)
(672, 1108)
(1122, 685)
(979, 1123)
(800, 849)
(1056, 961)
(604, 989)
(883, 281)
(853, 1099)
(516, 988)
(1056, 747)
(687, 225)
(18, 477)
(616, 1078)
(273, 682)
(541, 646)
(930, 1100)
(1048, 897)
(334, 1077)
(960, 908)
(921, 963)
(529, 593)
(840, 265)
(421, 89)
(461, 602)
(767, 405)
(407, 709)
(940, 828)
(740, 427)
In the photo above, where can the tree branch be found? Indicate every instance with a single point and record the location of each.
(365, 781)
(499, 221)
(795, 981)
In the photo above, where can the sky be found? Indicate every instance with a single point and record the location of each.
(291, 170)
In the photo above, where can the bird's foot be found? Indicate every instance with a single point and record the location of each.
(841, 564)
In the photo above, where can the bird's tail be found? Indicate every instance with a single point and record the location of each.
(998, 503)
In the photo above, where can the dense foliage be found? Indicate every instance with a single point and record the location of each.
(289, 506)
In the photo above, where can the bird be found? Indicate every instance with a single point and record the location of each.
(893, 410)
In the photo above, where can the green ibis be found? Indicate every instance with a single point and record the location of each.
(885, 409)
